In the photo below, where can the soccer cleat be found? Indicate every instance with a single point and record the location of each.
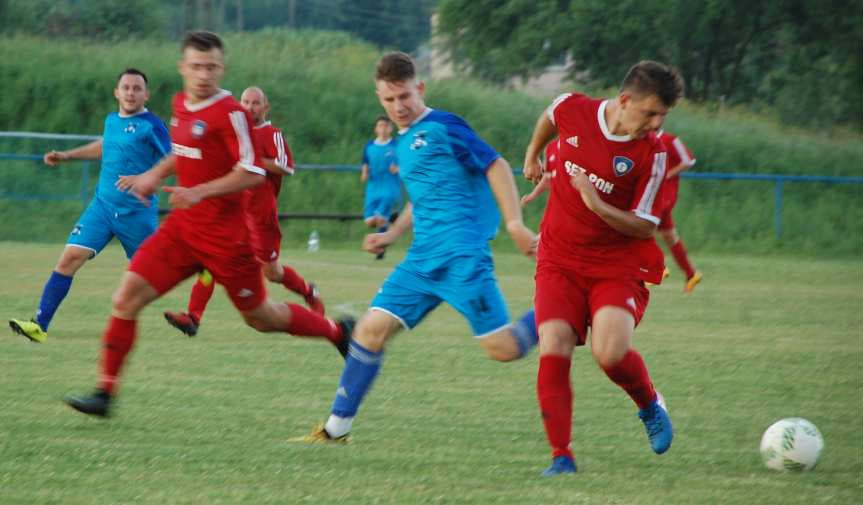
(560, 465)
(97, 404)
(692, 281)
(380, 256)
(187, 323)
(346, 323)
(319, 435)
(313, 299)
(29, 329)
(657, 424)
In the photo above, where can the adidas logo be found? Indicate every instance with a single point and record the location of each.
(341, 392)
(631, 302)
(573, 141)
(245, 293)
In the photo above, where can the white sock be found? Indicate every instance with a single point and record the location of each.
(338, 426)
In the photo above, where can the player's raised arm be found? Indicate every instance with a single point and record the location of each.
(543, 131)
(503, 187)
(91, 151)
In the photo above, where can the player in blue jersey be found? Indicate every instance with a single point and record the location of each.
(134, 139)
(452, 178)
(380, 175)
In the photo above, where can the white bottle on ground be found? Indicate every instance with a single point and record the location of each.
(314, 241)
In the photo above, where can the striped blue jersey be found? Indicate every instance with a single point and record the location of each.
(379, 158)
(443, 165)
(130, 145)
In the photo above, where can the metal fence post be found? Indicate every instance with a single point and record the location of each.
(777, 208)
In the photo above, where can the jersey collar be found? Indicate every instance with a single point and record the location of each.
(419, 118)
(600, 116)
(142, 111)
(195, 107)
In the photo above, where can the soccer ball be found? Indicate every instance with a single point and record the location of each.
(791, 444)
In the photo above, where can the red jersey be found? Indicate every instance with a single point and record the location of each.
(627, 173)
(262, 199)
(208, 139)
(551, 155)
(677, 153)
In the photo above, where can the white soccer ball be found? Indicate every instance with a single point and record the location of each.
(791, 444)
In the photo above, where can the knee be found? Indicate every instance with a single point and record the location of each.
(257, 323)
(125, 302)
(608, 358)
(272, 274)
(501, 348)
(369, 337)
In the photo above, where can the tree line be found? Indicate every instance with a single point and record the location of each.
(802, 59)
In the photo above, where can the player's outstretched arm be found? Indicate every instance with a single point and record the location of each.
(143, 185)
(91, 151)
(539, 189)
(543, 131)
(238, 179)
(624, 221)
(503, 187)
(377, 243)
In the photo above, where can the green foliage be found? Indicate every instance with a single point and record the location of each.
(800, 58)
(93, 19)
(207, 420)
(321, 90)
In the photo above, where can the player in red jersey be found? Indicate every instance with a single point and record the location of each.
(679, 159)
(596, 245)
(214, 160)
(262, 219)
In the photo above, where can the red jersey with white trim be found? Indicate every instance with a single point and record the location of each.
(208, 139)
(262, 199)
(551, 155)
(627, 173)
(677, 153)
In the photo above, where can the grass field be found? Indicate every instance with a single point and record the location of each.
(206, 420)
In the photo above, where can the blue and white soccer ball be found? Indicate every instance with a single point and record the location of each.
(791, 444)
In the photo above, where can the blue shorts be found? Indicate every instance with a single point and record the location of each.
(100, 223)
(467, 283)
(380, 204)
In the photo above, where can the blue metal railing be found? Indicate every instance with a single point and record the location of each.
(778, 179)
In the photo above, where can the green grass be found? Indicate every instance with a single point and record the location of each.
(206, 420)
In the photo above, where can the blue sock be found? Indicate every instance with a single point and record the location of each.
(383, 228)
(360, 370)
(52, 295)
(525, 333)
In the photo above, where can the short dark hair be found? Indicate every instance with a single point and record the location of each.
(653, 78)
(395, 67)
(202, 40)
(381, 118)
(133, 71)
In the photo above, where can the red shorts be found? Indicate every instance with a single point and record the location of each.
(265, 236)
(165, 259)
(563, 294)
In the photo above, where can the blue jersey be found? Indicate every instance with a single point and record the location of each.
(443, 165)
(130, 145)
(379, 158)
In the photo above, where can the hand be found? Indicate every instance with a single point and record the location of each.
(539, 189)
(587, 190)
(54, 158)
(377, 243)
(141, 186)
(524, 238)
(182, 197)
(532, 170)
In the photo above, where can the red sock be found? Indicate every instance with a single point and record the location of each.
(305, 323)
(294, 282)
(682, 259)
(200, 297)
(630, 373)
(555, 402)
(117, 341)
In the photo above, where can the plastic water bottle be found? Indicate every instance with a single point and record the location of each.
(314, 241)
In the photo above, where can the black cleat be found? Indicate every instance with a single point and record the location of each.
(96, 404)
(346, 323)
(380, 256)
(187, 323)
